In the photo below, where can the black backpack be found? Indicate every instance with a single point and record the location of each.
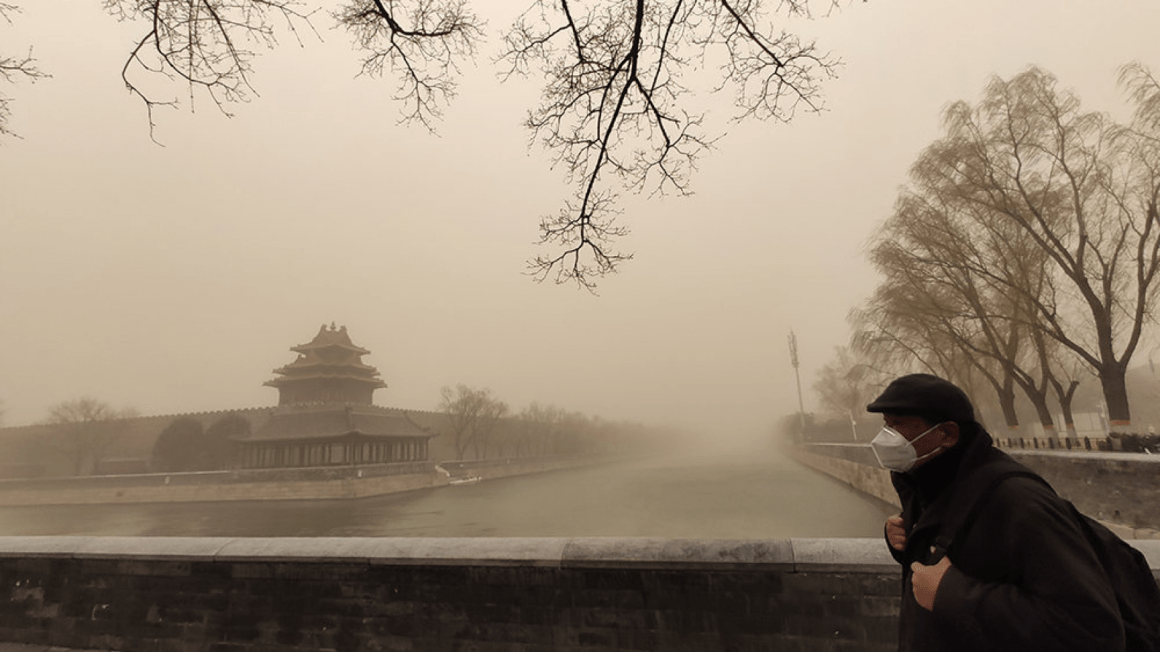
(1137, 593)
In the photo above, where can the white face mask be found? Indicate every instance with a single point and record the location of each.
(894, 452)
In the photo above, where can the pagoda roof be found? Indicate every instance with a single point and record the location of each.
(330, 338)
(323, 421)
(315, 364)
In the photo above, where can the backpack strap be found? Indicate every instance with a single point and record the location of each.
(970, 495)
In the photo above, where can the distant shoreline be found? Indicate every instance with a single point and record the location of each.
(308, 483)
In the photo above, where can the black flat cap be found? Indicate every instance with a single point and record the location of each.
(926, 396)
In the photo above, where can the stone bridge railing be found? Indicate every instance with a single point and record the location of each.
(355, 594)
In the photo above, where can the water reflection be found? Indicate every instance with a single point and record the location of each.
(726, 497)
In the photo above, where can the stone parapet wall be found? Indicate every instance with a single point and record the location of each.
(350, 595)
(431, 595)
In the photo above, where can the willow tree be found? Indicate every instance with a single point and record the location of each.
(912, 326)
(948, 271)
(1082, 189)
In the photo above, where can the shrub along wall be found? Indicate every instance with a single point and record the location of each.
(349, 595)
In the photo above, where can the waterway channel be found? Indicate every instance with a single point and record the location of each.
(746, 494)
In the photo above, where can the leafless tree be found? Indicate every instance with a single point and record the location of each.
(85, 430)
(420, 43)
(13, 68)
(472, 416)
(1085, 191)
(614, 110)
(930, 253)
(903, 327)
(612, 107)
(1028, 238)
(206, 45)
(844, 385)
(538, 427)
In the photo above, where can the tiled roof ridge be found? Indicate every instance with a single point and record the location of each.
(330, 337)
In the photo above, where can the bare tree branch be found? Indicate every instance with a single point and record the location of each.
(13, 69)
(207, 45)
(611, 106)
(422, 45)
(613, 109)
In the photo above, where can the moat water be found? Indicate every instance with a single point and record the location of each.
(737, 495)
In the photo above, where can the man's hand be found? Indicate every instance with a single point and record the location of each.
(895, 535)
(925, 580)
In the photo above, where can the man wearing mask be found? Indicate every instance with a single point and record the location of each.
(1022, 576)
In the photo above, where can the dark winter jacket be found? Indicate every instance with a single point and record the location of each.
(1022, 576)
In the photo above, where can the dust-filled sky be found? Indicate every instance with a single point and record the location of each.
(174, 278)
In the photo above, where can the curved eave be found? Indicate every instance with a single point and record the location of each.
(290, 380)
(317, 346)
(300, 365)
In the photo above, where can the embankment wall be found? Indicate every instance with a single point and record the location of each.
(313, 483)
(1120, 489)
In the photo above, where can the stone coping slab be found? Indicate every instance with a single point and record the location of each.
(1103, 456)
(411, 551)
(854, 555)
(862, 555)
(851, 555)
(1099, 456)
(618, 552)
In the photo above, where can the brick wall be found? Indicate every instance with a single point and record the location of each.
(349, 595)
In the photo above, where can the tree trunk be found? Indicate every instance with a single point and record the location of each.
(1115, 385)
(1065, 400)
(1042, 411)
(1045, 419)
(1007, 404)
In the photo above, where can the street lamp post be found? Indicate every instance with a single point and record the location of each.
(793, 358)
